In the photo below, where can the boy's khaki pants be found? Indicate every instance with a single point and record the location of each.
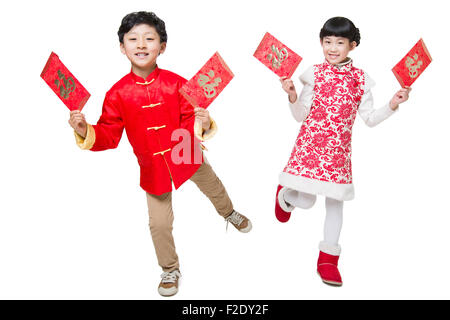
(161, 214)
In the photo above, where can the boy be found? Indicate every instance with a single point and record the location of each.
(147, 104)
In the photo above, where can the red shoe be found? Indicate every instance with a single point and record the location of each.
(282, 209)
(327, 265)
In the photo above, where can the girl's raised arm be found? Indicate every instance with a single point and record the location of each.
(366, 110)
(301, 107)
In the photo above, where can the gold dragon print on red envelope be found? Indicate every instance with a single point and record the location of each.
(276, 56)
(412, 65)
(208, 83)
(64, 84)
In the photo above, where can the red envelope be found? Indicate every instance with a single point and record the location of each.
(208, 83)
(412, 65)
(64, 84)
(276, 56)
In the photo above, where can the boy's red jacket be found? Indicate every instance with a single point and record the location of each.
(150, 110)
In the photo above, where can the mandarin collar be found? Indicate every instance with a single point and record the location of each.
(341, 67)
(150, 78)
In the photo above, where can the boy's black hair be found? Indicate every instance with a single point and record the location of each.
(340, 27)
(142, 17)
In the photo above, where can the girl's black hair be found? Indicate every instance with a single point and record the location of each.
(340, 27)
(142, 17)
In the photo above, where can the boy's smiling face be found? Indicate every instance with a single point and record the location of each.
(336, 49)
(142, 46)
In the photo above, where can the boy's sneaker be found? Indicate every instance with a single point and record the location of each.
(239, 221)
(169, 283)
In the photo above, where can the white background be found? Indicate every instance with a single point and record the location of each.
(74, 224)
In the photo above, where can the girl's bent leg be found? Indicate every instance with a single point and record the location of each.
(300, 199)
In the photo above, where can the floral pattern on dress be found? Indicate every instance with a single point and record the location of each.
(322, 150)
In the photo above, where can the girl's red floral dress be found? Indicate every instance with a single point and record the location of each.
(320, 161)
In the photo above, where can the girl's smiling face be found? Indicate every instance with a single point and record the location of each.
(336, 49)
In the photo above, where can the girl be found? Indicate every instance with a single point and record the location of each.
(320, 163)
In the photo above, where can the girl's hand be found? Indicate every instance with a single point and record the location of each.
(288, 86)
(203, 116)
(78, 122)
(401, 96)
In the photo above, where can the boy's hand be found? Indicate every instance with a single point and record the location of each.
(78, 122)
(288, 86)
(399, 97)
(203, 116)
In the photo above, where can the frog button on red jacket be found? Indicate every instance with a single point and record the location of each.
(150, 110)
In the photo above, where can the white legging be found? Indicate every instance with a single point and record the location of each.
(334, 212)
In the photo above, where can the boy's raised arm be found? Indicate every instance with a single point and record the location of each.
(106, 134)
